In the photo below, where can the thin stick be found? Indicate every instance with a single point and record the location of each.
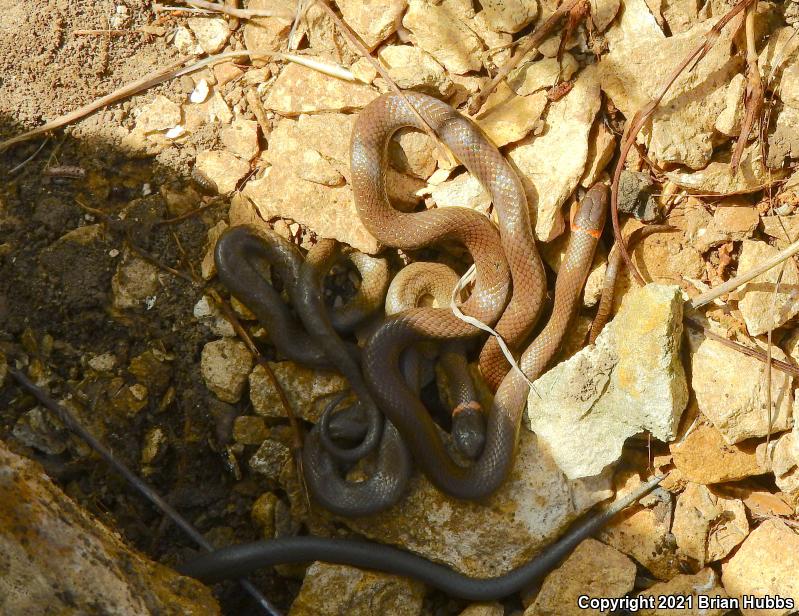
(241, 13)
(141, 486)
(148, 81)
(534, 41)
(30, 158)
(741, 279)
(755, 353)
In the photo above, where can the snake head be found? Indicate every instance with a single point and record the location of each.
(590, 215)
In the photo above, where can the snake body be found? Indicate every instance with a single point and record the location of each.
(509, 290)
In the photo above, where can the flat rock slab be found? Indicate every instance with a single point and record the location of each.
(765, 565)
(330, 590)
(731, 390)
(54, 554)
(631, 380)
(532, 508)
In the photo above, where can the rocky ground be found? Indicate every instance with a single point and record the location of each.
(109, 298)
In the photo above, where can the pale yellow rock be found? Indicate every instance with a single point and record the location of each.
(463, 190)
(779, 52)
(185, 42)
(533, 76)
(766, 564)
(159, 115)
(134, 282)
(680, 15)
(329, 211)
(729, 120)
(249, 430)
(630, 381)
(212, 32)
(484, 609)
(241, 138)
(760, 309)
(603, 12)
(577, 576)
(644, 535)
(601, 146)
(333, 590)
(208, 265)
(303, 90)
(268, 33)
(412, 152)
(532, 507)
(552, 164)
(372, 20)
(308, 391)
(705, 457)
(497, 44)
(717, 177)
(707, 527)
(703, 584)
(730, 389)
(636, 22)
(223, 168)
(507, 117)
(783, 142)
(509, 15)
(272, 459)
(44, 572)
(682, 127)
(440, 30)
(364, 71)
(309, 157)
(225, 365)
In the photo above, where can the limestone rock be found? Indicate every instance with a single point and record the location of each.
(303, 90)
(212, 32)
(577, 576)
(507, 117)
(534, 76)
(414, 69)
(552, 164)
(703, 456)
(759, 308)
(440, 30)
(135, 282)
(59, 559)
(331, 590)
(630, 380)
(765, 564)
(223, 168)
(327, 210)
(225, 365)
(704, 583)
(533, 506)
(271, 459)
(241, 138)
(729, 120)
(484, 609)
(707, 527)
(509, 15)
(412, 152)
(268, 33)
(734, 398)
(206, 311)
(464, 190)
(682, 128)
(372, 20)
(249, 430)
(643, 533)
(159, 115)
(308, 391)
(313, 193)
(783, 141)
(717, 177)
(208, 265)
(603, 12)
(601, 146)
